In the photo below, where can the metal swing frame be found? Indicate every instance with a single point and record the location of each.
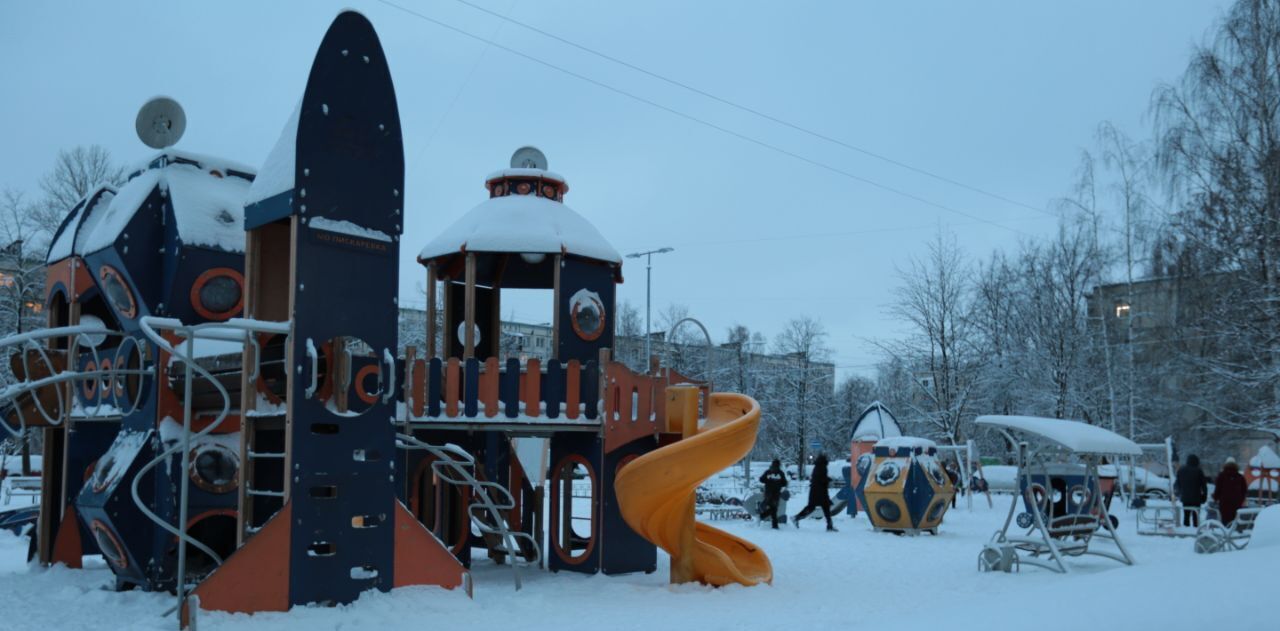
(1049, 540)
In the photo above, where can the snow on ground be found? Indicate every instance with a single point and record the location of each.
(855, 578)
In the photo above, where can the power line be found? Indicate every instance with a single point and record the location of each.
(700, 121)
(461, 88)
(753, 111)
(821, 235)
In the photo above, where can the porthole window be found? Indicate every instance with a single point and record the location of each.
(1079, 496)
(215, 468)
(102, 472)
(888, 472)
(462, 333)
(573, 499)
(935, 512)
(109, 544)
(864, 463)
(586, 313)
(935, 472)
(888, 511)
(117, 292)
(218, 294)
(348, 381)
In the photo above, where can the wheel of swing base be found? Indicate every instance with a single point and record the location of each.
(1207, 543)
(1025, 520)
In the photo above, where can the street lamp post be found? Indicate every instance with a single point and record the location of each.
(648, 297)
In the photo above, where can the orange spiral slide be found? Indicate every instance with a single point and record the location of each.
(656, 491)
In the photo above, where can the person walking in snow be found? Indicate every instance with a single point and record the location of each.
(818, 497)
(774, 480)
(953, 472)
(1230, 491)
(1193, 489)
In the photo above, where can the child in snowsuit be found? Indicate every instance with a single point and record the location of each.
(774, 480)
(1230, 491)
(818, 497)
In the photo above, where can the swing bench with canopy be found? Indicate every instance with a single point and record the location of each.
(1065, 503)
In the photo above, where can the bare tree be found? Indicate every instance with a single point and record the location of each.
(933, 301)
(75, 172)
(800, 409)
(1219, 149)
(23, 243)
(629, 341)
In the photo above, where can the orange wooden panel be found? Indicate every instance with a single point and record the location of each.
(67, 548)
(645, 386)
(532, 389)
(452, 385)
(255, 577)
(420, 558)
(573, 389)
(625, 423)
(489, 387)
(419, 387)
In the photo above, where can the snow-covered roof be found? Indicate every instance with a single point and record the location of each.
(210, 210)
(64, 245)
(876, 422)
(522, 223)
(1266, 457)
(909, 442)
(1074, 435)
(99, 229)
(208, 205)
(277, 173)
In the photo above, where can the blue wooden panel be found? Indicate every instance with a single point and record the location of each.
(435, 386)
(471, 387)
(509, 388)
(553, 384)
(349, 166)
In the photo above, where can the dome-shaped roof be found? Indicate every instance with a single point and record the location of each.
(522, 224)
(875, 423)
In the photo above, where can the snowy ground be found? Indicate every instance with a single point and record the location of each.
(854, 578)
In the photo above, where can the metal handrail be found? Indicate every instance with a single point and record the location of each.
(236, 329)
(451, 465)
(78, 335)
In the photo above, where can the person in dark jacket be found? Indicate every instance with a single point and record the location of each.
(1193, 489)
(774, 480)
(818, 496)
(953, 473)
(1230, 491)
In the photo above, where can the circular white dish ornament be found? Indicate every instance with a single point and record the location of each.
(160, 122)
(528, 158)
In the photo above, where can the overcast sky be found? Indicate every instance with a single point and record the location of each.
(999, 96)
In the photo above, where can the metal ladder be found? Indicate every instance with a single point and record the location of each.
(456, 466)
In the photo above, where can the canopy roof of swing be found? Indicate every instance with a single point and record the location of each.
(1076, 436)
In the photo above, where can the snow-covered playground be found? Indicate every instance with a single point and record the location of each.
(854, 578)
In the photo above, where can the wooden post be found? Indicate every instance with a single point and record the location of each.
(431, 310)
(450, 325)
(555, 310)
(469, 308)
(603, 381)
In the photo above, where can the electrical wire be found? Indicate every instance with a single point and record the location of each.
(753, 111)
(703, 122)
